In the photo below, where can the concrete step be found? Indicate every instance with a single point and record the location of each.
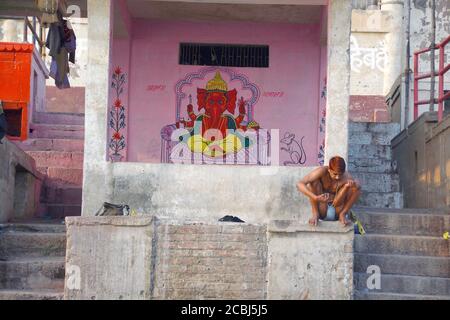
(365, 151)
(59, 118)
(59, 211)
(377, 182)
(392, 200)
(31, 244)
(62, 176)
(402, 245)
(405, 284)
(395, 296)
(68, 195)
(67, 145)
(31, 295)
(404, 265)
(33, 274)
(58, 159)
(56, 131)
(365, 165)
(403, 223)
(33, 227)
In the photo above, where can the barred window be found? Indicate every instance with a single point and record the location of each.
(224, 55)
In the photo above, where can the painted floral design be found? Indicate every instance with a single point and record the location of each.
(322, 115)
(117, 118)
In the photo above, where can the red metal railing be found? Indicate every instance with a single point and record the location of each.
(441, 72)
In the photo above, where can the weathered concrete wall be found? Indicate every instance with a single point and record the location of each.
(255, 194)
(20, 183)
(109, 258)
(149, 258)
(423, 161)
(310, 262)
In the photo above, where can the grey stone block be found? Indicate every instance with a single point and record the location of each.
(33, 274)
(360, 137)
(404, 223)
(386, 128)
(357, 126)
(19, 244)
(377, 182)
(402, 245)
(369, 151)
(404, 265)
(402, 284)
(381, 200)
(366, 165)
(30, 295)
(395, 296)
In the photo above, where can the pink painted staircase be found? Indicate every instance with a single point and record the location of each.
(56, 142)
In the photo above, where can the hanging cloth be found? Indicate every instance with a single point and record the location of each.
(49, 10)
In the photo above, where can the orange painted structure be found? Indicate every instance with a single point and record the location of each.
(15, 78)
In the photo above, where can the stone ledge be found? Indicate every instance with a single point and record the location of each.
(112, 220)
(143, 220)
(291, 226)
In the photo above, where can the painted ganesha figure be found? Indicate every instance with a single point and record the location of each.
(216, 131)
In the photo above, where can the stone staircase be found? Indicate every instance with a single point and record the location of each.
(370, 162)
(32, 258)
(408, 246)
(57, 145)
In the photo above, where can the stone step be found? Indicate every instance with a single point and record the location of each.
(395, 296)
(365, 165)
(390, 128)
(58, 159)
(56, 177)
(382, 222)
(365, 151)
(31, 295)
(33, 227)
(67, 145)
(59, 118)
(404, 265)
(392, 200)
(56, 131)
(59, 211)
(29, 244)
(369, 138)
(33, 274)
(402, 245)
(405, 284)
(68, 195)
(377, 182)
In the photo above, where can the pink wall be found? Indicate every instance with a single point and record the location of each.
(290, 88)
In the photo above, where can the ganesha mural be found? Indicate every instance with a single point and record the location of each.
(220, 129)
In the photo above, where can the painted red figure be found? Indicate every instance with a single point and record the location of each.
(216, 100)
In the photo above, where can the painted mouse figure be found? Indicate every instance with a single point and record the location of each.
(296, 151)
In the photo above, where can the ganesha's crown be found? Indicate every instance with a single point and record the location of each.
(217, 84)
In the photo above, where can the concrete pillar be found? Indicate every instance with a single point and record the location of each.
(338, 86)
(393, 43)
(97, 183)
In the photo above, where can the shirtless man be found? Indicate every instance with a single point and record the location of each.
(331, 190)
